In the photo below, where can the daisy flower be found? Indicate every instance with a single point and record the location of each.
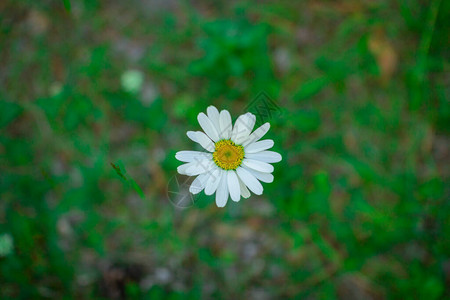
(236, 159)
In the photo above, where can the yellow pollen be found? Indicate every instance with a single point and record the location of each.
(228, 155)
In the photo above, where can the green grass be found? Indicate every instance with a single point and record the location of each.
(96, 98)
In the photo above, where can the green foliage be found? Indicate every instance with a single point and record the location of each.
(96, 99)
(10, 111)
(67, 5)
(120, 170)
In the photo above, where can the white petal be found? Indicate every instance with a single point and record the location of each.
(213, 115)
(182, 169)
(264, 177)
(242, 128)
(188, 156)
(233, 186)
(222, 191)
(199, 183)
(208, 127)
(265, 156)
(202, 139)
(213, 181)
(257, 134)
(225, 124)
(259, 146)
(196, 167)
(199, 167)
(257, 165)
(244, 190)
(250, 181)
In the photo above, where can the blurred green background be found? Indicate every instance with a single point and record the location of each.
(96, 97)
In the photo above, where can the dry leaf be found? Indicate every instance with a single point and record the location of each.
(384, 53)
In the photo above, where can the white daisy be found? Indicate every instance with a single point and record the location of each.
(236, 161)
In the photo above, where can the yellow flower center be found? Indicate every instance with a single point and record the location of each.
(228, 155)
